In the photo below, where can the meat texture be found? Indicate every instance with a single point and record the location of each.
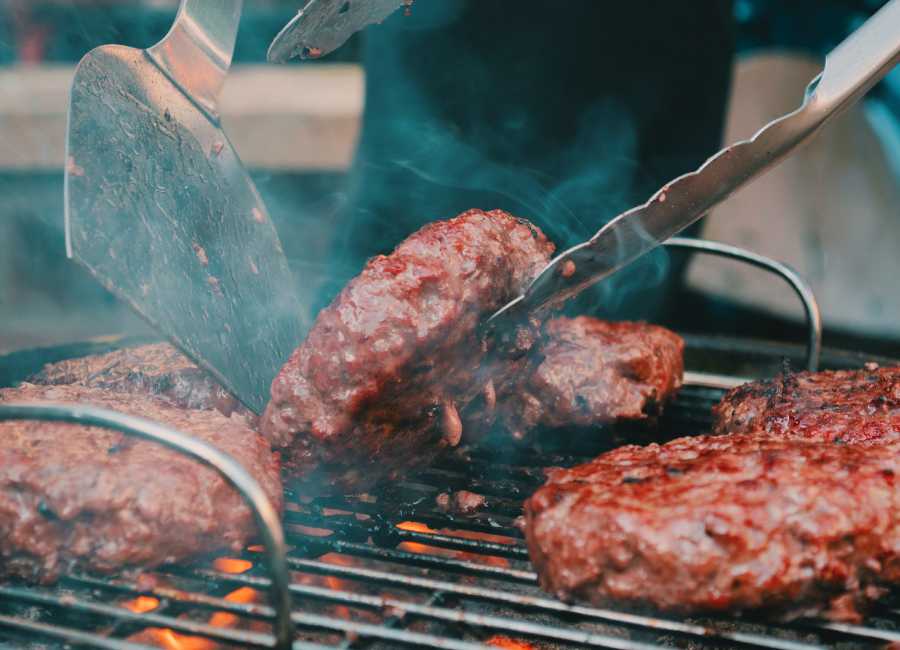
(849, 406)
(85, 498)
(155, 369)
(378, 383)
(716, 523)
(594, 372)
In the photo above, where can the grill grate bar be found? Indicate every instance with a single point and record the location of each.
(515, 551)
(500, 488)
(180, 597)
(414, 559)
(405, 510)
(856, 631)
(353, 528)
(148, 619)
(436, 598)
(452, 615)
(406, 637)
(519, 601)
(68, 635)
(483, 522)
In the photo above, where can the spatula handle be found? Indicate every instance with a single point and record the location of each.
(196, 53)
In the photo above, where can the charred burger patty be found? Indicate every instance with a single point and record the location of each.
(591, 373)
(835, 406)
(87, 498)
(715, 523)
(378, 383)
(155, 369)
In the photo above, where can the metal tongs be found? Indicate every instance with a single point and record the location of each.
(322, 26)
(851, 69)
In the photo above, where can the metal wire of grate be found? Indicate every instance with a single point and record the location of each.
(394, 569)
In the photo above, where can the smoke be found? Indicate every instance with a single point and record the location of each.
(596, 186)
(455, 120)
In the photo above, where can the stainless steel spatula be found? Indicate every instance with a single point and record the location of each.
(161, 211)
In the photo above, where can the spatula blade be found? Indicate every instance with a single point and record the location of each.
(161, 211)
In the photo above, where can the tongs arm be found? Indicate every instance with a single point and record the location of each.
(857, 64)
(850, 70)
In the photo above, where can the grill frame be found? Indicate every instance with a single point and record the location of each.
(439, 607)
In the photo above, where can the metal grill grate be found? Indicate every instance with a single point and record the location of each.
(394, 570)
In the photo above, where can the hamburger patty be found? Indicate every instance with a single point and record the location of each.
(378, 383)
(155, 369)
(88, 498)
(850, 406)
(716, 523)
(594, 372)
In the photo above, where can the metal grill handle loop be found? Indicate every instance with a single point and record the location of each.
(793, 278)
(265, 515)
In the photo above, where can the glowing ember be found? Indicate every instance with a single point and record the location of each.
(466, 534)
(173, 641)
(142, 604)
(312, 532)
(224, 619)
(416, 527)
(415, 547)
(500, 641)
(336, 583)
(232, 565)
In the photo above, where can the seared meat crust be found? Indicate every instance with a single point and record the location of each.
(851, 406)
(716, 523)
(594, 372)
(155, 369)
(378, 383)
(87, 498)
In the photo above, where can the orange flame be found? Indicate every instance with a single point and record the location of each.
(142, 604)
(232, 565)
(416, 527)
(173, 641)
(336, 583)
(501, 641)
(415, 547)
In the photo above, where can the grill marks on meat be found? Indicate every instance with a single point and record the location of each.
(845, 406)
(717, 523)
(592, 373)
(156, 369)
(379, 382)
(87, 498)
